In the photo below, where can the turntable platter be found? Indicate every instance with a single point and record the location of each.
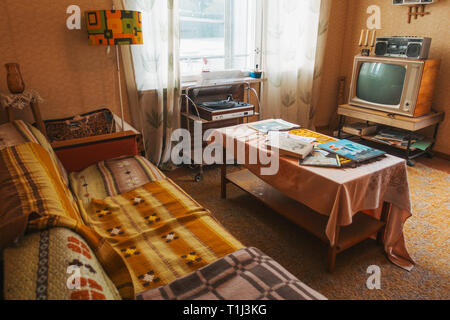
(220, 104)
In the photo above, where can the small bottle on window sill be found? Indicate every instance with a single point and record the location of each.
(205, 65)
(256, 74)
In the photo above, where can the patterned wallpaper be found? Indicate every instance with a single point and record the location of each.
(70, 75)
(74, 78)
(331, 67)
(393, 22)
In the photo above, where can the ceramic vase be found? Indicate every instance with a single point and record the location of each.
(14, 78)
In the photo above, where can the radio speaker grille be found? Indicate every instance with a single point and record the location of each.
(413, 50)
(380, 48)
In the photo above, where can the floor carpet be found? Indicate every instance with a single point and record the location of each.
(427, 236)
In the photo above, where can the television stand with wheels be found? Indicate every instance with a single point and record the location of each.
(408, 124)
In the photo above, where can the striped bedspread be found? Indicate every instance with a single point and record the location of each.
(161, 233)
(19, 132)
(34, 197)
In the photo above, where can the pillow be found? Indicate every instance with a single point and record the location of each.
(37, 269)
(18, 132)
(112, 177)
(31, 185)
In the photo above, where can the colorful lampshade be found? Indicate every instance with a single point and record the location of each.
(114, 27)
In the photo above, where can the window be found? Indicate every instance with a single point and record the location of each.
(223, 33)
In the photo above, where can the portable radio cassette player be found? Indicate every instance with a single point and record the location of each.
(403, 47)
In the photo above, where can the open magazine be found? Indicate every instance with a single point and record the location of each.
(273, 125)
(321, 158)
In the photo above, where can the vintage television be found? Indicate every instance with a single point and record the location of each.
(394, 85)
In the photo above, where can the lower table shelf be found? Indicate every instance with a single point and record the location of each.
(363, 226)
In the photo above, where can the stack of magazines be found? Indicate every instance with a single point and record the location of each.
(359, 129)
(394, 137)
(312, 148)
(320, 157)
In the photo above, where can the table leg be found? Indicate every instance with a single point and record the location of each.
(384, 217)
(331, 258)
(38, 118)
(9, 114)
(340, 125)
(408, 152)
(223, 175)
(436, 129)
(332, 252)
(430, 148)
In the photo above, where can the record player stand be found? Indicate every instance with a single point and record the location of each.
(189, 117)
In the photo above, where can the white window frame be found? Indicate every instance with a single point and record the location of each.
(258, 25)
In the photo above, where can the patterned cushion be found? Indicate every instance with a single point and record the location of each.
(247, 274)
(37, 269)
(89, 124)
(18, 132)
(113, 177)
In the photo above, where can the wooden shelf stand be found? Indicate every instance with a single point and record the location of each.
(408, 124)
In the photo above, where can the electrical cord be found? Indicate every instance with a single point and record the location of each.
(257, 100)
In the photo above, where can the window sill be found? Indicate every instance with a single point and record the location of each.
(198, 83)
(188, 84)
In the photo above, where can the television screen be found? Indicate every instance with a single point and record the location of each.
(380, 83)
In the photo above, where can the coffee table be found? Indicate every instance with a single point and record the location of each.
(341, 207)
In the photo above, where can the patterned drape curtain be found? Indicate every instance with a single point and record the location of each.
(294, 39)
(157, 75)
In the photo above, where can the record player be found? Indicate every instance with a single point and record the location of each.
(229, 108)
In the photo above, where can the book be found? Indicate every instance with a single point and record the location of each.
(287, 146)
(301, 138)
(359, 129)
(352, 150)
(272, 125)
(321, 158)
(391, 135)
(389, 143)
(319, 139)
(422, 145)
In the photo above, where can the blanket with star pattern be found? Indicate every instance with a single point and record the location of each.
(161, 233)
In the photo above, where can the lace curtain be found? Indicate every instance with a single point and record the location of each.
(156, 66)
(294, 39)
